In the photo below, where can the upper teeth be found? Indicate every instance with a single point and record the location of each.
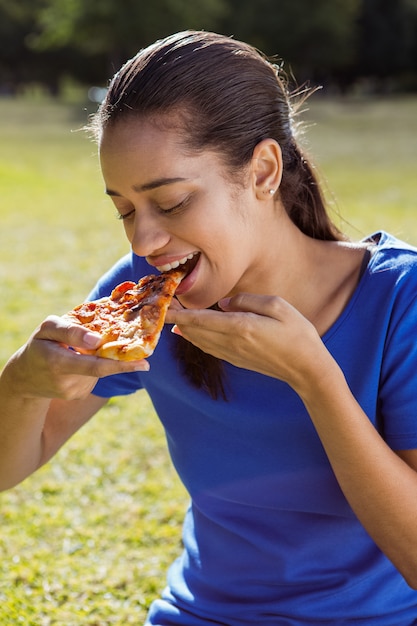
(175, 264)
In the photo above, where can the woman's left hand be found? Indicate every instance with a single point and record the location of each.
(261, 333)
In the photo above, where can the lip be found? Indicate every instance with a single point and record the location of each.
(160, 263)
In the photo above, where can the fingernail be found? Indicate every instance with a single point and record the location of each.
(176, 331)
(91, 339)
(224, 303)
(143, 366)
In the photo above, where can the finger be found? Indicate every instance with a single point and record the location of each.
(269, 306)
(64, 331)
(70, 362)
(175, 305)
(56, 332)
(197, 318)
(99, 367)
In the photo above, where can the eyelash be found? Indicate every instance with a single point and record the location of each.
(125, 216)
(171, 211)
(175, 208)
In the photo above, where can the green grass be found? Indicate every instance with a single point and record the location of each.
(87, 540)
(367, 151)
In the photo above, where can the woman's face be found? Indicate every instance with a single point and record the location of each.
(179, 207)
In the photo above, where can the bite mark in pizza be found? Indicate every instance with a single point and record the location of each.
(131, 319)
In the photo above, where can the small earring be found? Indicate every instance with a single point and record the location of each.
(272, 191)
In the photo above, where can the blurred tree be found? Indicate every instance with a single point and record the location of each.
(16, 20)
(20, 64)
(114, 30)
(316, 39)
(326, 41)
(387, 39)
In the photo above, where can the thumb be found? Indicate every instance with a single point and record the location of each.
(65, 331)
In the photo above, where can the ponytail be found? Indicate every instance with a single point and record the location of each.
(302, 196)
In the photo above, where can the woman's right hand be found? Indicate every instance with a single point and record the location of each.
(46, 367)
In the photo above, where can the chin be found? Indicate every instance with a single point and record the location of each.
(196, 303)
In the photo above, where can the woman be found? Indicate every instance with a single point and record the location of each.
(286, 387)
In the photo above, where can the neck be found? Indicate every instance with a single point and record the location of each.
(316, 277)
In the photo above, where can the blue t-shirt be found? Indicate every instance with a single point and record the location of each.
(269, 537)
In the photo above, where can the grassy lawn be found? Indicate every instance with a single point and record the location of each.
(367, 151)
(87, 540)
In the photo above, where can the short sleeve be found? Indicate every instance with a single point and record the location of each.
(398, 388)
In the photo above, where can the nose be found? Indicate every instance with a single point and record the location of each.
(148, 235)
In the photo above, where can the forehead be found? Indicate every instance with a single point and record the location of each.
(135, 151)
(140, 144)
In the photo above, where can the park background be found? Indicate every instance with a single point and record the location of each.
(87, 540)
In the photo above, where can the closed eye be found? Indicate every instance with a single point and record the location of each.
(125, 216)
(165, 211)
(177, 208)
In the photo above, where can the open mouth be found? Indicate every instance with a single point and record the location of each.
(187, 263)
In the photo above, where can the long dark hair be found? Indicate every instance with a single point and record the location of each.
(229, 97)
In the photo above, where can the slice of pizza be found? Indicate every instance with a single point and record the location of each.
(131, 319)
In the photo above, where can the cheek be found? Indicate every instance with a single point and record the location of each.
(129, 228)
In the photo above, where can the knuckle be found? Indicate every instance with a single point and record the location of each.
(274, 307)
(48, 324)
(74, 338)
(196, 320)
(73, 333)
(60, 329)
(242, 325)
(98, 369)
(188, 319)
(275, 304)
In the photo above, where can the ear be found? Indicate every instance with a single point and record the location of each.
(266, 168)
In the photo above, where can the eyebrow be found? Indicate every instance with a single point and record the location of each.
(153, 184)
